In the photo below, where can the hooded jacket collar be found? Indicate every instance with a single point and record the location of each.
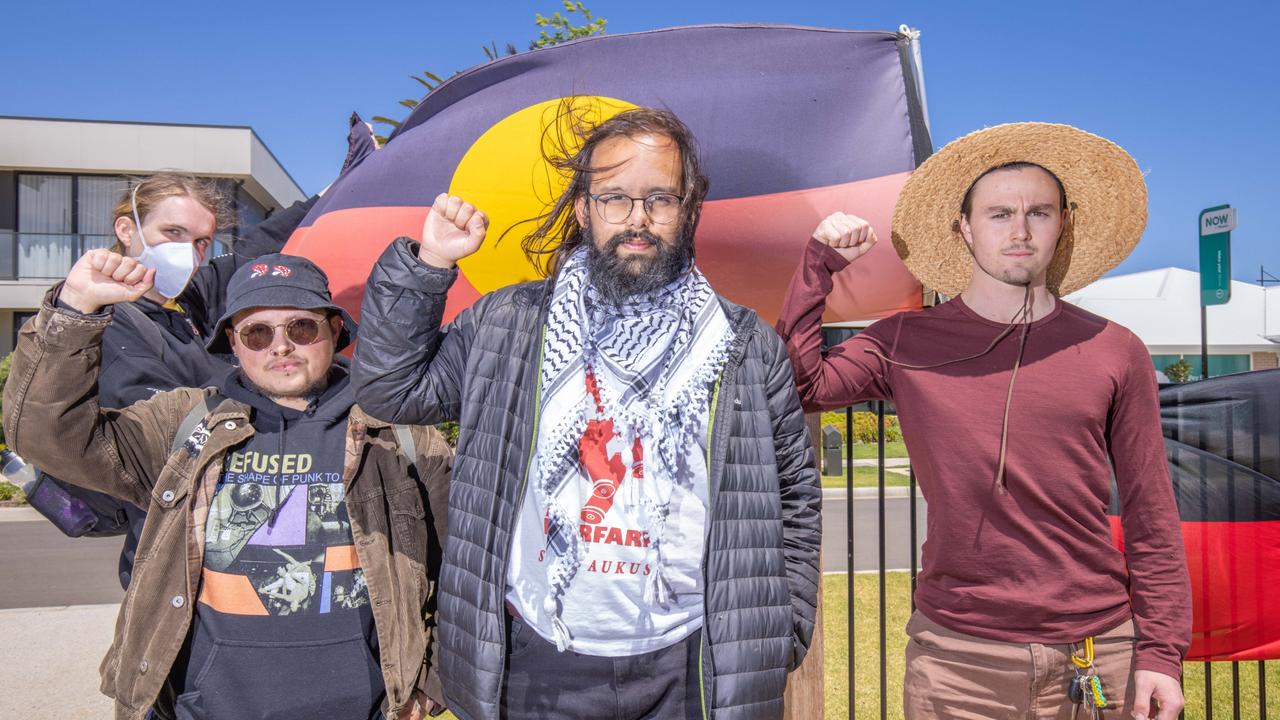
(330, 407)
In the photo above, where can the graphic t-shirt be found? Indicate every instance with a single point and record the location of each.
(604, 606)
(283, 626)
(278, 539)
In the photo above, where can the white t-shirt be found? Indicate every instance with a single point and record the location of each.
(604, 606)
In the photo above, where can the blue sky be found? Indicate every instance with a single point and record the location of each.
(1191, 90)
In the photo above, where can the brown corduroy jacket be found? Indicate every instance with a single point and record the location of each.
(52, 418)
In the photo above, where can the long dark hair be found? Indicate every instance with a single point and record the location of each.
(568, 143)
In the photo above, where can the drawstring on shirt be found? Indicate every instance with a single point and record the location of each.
(1024, 317)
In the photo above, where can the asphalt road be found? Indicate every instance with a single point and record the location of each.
(866, 537)
(39, 567)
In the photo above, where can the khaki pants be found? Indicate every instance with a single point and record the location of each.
(952, 675)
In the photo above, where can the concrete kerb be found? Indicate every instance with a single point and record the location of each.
(868, 492)
(19, 514)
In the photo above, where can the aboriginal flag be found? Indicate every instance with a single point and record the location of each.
(1222, 438)
(792, 124)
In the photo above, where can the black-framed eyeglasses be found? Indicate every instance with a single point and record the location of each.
(259, 336)
(615, 208)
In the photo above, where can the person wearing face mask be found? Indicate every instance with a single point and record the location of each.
(156, 343)
(167, 223)
(1024, 416)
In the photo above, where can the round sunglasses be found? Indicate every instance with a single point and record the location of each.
(259, 336)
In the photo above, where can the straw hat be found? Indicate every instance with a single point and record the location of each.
(1105, 191)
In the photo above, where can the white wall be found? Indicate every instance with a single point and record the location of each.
(70, 146)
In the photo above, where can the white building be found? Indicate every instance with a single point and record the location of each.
(1162, 307)
(60, 178)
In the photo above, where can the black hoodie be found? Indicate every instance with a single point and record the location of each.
(282, 627)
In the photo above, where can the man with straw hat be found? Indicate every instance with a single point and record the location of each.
(1016, 408)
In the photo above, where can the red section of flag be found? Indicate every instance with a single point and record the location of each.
(754, 273)
(1235, 609)
(346, 244)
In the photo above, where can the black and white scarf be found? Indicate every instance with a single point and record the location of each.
(655, 358)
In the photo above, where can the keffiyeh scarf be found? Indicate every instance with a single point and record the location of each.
(655, 359)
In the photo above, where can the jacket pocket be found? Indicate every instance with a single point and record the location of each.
(409, 525)
(171, 487)
(522, 640)
(283, 680)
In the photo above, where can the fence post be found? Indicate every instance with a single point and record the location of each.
(804, 696)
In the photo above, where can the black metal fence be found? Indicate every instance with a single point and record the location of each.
(1197, 711)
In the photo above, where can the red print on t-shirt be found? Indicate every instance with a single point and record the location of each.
(606, 471)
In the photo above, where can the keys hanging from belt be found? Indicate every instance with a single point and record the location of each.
(1086, 686)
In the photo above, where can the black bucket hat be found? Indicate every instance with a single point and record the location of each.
(278, 281)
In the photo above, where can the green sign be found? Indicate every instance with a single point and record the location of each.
(1216, 224)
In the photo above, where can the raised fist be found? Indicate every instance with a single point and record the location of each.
(453, 230)
(849, 235)
(101, 277)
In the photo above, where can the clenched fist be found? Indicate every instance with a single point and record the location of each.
(849, 235)
(453, 230)
(101, 277)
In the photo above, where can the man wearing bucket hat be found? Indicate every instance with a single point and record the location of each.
(1016, 408)
(287, 561)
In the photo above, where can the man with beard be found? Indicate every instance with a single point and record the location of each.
(634, 509)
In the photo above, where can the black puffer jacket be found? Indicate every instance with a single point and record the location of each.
(761, 559)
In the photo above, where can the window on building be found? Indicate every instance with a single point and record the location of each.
(20, 318)
(46, 243)
(62, 216)
(248, 211)
(96, 197)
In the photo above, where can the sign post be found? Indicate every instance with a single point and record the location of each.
(1216, 224)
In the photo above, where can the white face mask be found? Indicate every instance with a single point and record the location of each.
(174, 262)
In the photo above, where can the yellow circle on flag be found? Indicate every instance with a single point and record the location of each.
(506, 175)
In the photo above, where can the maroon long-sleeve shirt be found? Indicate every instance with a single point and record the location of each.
(1031, 562)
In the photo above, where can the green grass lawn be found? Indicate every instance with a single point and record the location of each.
(898, 609)
(868, 476)
(870, 451)
(865, 477)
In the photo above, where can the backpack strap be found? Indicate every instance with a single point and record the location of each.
(193, 418)
(145, 326)
(404, 438)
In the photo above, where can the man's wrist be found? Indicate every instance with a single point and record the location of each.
(827, 257)
(426, 257)
(1160, 665)
(75, 301)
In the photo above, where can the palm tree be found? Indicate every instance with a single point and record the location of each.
(552, 31)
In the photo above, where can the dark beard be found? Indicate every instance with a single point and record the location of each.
(311, 393)
(619, 278)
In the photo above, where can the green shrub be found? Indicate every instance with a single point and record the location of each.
(450, 430)
(864, 426)
(10, 492)
(1179, 372)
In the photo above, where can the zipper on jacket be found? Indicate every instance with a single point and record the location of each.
(524, 481)
(702, 637)
(740, 330)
